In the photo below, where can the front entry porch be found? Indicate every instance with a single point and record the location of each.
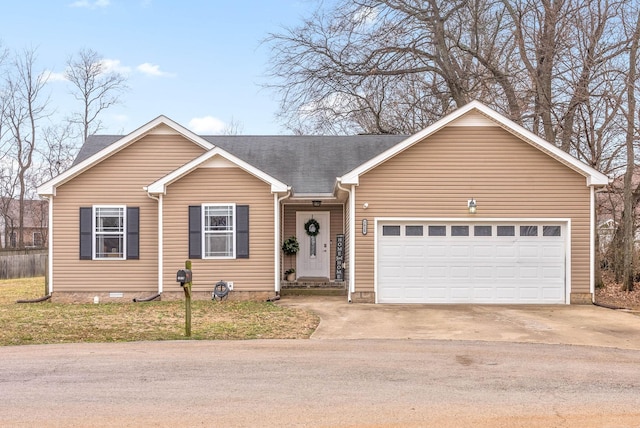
(319, 263)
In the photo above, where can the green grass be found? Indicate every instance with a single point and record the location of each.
(46, 322)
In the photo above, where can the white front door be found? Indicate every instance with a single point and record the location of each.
(313, 256)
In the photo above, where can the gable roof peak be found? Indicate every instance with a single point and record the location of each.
(48, 188)
(594, 177)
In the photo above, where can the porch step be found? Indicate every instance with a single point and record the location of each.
(313, 288)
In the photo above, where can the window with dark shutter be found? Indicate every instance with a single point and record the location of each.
(133, 233)
(86, 233)
(242, 231)
(195, 232)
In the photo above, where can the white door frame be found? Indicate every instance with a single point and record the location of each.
(307, 264)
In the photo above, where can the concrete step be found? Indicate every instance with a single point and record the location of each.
(304, 291)
(313, 288)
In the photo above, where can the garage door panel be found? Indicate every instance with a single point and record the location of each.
(436, 272)
(484, 251)
(437, 251)
(483, 272)
(414, 272)
(472, 269)
(506, 272)
(528, 251)
(461, 251)
(389, 250)
(414, 251)
(528, 272)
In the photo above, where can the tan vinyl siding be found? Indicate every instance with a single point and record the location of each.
(117, 180)
(508, 178)
(336, 227)
(220, 185)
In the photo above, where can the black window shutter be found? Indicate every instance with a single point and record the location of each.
(195, 232)
(133, 233)
(86, 233)
(242, 231)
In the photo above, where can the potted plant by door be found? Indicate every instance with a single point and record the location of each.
(290, 247)
(290, 274)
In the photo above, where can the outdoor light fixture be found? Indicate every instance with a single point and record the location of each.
(472, 205)
(316, 203)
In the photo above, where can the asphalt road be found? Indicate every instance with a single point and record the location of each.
(316, 383)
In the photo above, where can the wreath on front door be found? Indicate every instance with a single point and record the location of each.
(312, 227)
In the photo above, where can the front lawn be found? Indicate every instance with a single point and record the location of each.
(41, 323)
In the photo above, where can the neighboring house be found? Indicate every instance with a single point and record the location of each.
(473, 209)
(34, 230)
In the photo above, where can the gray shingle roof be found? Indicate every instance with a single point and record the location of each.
(310, 164)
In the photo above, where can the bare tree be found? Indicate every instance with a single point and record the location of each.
(96, 87)
(366, 65)
(25, 106)
(58, 150)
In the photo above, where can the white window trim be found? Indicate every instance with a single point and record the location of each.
(124, 232)
(203, 232)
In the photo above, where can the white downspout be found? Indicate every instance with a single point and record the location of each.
(352, 238)
(592, 243)
(50, 240)
(276, 240)
(160, 240)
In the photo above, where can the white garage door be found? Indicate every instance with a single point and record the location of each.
(422, 262)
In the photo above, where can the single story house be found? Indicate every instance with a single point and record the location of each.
(472, 209)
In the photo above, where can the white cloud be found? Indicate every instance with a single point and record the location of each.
(114, 66)
(90, 5)
(51, 76)
(366, 16)
(206, 125)
(152, 70)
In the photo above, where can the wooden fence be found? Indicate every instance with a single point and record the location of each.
(22, 264)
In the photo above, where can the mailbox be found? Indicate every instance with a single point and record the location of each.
(183, 276)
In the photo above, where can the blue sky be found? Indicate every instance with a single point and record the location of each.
(199, 62)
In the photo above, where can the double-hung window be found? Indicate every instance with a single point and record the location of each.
(219, 231)
(109, 232)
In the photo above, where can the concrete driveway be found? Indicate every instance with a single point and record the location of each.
(552, 324)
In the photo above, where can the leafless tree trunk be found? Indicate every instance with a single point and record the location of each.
(628, 217)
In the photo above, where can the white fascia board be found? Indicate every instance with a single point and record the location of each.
(594, 177)
(160, 186)
(48, 188)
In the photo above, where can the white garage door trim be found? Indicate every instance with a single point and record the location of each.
(565, 222)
